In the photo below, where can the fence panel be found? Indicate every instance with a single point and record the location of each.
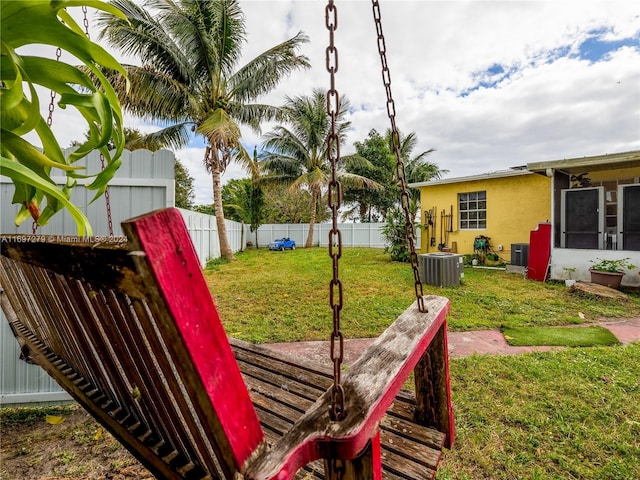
(353, 234)
(144, 182)
(204, 234)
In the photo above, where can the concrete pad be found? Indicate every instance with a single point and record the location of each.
(485, 342)
(626, 331)
(461, 344)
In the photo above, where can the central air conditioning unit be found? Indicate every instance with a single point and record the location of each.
(520, 254)
(441, 269)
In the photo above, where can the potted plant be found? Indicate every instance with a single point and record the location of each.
(569, 271)
(609, 272)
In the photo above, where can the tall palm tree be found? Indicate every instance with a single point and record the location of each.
(190, 79)
(298, 155)
(418, 168)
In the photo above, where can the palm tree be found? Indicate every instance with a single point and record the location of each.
(190, 79)
(418, 168)
(298, 156)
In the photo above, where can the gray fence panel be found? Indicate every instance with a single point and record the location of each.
(144, 182)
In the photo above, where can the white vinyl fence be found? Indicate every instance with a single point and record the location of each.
(144, 183)
(353, 234)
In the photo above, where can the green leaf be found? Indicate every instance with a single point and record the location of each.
(46, 22)
(20, 173)
(26, 154)
(24, 22)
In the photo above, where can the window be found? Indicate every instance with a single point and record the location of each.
(473, 210)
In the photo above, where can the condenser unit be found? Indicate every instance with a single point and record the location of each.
(441, 269)
(520, 254)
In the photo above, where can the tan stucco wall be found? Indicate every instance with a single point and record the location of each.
(515, 206)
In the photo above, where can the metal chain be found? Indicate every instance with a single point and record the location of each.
(52, 95)
(338, 410)
(85, 21)
(107, 201)
(400, 169)
(106, 192)
(430, 374)
(52, 107)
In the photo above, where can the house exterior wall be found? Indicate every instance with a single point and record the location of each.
(579, 259)
(515, 206)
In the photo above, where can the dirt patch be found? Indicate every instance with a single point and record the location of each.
(78, 448)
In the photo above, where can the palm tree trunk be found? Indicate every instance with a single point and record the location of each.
(312, 217)
(225, 247)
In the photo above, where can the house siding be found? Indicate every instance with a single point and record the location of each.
(515, 206)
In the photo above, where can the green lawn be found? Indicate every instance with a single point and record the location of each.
(284, 296)
(559, 336)
(570, 414)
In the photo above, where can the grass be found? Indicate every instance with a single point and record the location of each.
(570, 414)
(559, 336)
(284, 296)
(10, 416)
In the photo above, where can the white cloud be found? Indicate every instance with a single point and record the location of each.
(551, 104)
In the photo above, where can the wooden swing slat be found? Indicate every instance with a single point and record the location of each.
(371, 384)
(132, 333)
(410, 450)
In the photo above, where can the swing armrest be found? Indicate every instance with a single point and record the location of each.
(414, 340)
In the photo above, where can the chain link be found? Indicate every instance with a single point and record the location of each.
(400, 169)
(52, 107)
(107, 201)
(430, 393)
(107, 198)
(85, 21)
(338, 409)
(52, 94)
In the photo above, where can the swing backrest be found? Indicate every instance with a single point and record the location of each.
(131, 331)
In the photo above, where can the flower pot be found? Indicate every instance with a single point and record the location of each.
(608, 279)
(569, 282)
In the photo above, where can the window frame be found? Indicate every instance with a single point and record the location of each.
(472, 210)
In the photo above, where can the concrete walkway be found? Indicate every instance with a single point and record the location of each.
(461, 344)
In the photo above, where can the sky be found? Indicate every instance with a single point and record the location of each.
(488, 84)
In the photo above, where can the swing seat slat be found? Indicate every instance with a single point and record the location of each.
(132, 333)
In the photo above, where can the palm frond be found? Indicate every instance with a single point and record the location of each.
(175, 136)
(144, 36)
(282, 141)
(264, 72)
(281, 166)
(219, 127)
(356, 161)
(152, 95)
(358, 181)
(254, 114)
